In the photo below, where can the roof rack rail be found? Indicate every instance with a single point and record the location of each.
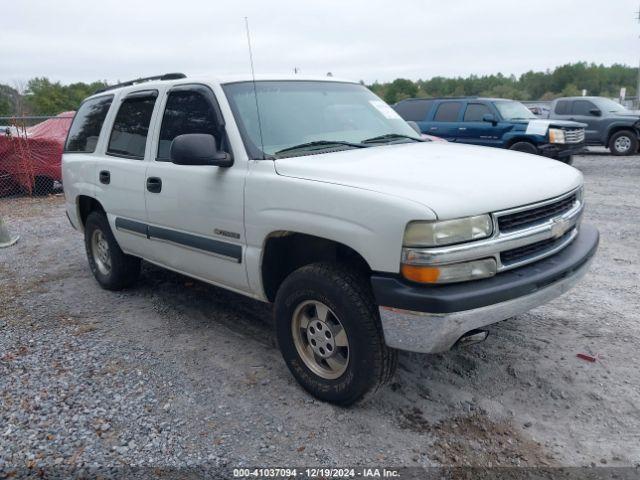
(166, 76)
(463, 97)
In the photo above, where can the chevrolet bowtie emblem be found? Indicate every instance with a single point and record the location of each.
(558, 227)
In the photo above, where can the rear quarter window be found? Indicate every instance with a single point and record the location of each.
(414, 110)
(85, 128)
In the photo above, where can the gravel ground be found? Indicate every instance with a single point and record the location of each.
(178, 373)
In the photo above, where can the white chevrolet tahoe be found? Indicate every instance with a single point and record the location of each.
(315, 195)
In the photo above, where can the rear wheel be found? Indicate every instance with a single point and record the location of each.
(525, 147)
(329, 333)
(42, 186)
(623, 143)
(112, 268)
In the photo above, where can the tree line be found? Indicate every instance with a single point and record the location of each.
(564, 81)
(40, 96)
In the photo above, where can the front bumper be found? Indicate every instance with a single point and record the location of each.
(430, 319)
(556, 150)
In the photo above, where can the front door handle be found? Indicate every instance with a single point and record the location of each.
(105, 177)
(154, 184)
(462, 128)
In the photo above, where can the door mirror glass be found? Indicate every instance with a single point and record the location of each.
(198, 149)
(595, 112)
(488, 117)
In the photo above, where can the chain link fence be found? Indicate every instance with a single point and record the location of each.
(31, 153)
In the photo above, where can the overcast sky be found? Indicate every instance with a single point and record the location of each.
(85, 40)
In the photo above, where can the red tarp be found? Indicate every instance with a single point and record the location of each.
(25, 158)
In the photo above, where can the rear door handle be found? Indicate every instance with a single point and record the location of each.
(154, 184)
(105, 177)
(462, 128)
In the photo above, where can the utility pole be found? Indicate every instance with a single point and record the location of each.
(638, 85)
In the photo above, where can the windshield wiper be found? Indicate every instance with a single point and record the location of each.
(319, 145)
(390, 137)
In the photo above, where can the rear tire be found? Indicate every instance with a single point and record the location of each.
(623, 143)
(112, 268)
(42, 186)
(524, 147)
(332, 307)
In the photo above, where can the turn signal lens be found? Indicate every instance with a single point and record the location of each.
(420, 274)
(456, 272)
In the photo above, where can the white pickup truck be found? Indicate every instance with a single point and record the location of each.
(313, 194)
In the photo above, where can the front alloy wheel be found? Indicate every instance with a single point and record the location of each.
(623, 143)
(320, 339)
(329, 333)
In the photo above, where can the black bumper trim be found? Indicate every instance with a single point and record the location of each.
(555, 150)
(393, 291)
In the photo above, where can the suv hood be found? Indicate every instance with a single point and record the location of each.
(553, 123)
(627, 114)
(452, 180)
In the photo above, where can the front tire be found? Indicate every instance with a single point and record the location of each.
(623, 143)
(329, 333)
(524, 147)
(112, 268)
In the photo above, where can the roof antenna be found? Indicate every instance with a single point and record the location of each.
(255, 91)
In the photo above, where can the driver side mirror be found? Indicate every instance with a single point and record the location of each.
(488, 117)
(198, 149)
(595, 112)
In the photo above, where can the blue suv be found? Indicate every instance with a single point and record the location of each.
(494, 122)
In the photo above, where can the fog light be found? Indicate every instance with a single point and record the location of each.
(456, 272)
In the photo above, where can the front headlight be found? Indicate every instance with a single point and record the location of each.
(419, 236)
(447, 232)
(556, 135)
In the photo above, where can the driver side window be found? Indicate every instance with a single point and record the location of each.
(187, 111)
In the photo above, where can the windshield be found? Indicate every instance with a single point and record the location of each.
(510, 110)
(327, 115)
(607, 105)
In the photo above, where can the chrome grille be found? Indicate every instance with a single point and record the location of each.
(533, 250)
(522, 219)
(560, 217)
(574, 135)
(521, 235)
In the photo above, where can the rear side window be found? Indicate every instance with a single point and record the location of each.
(186, 112)
(448, 112)
(414, 110)
(85, 129)
(582, 107)
(131, 126)
(475, 112)
(562, 107)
